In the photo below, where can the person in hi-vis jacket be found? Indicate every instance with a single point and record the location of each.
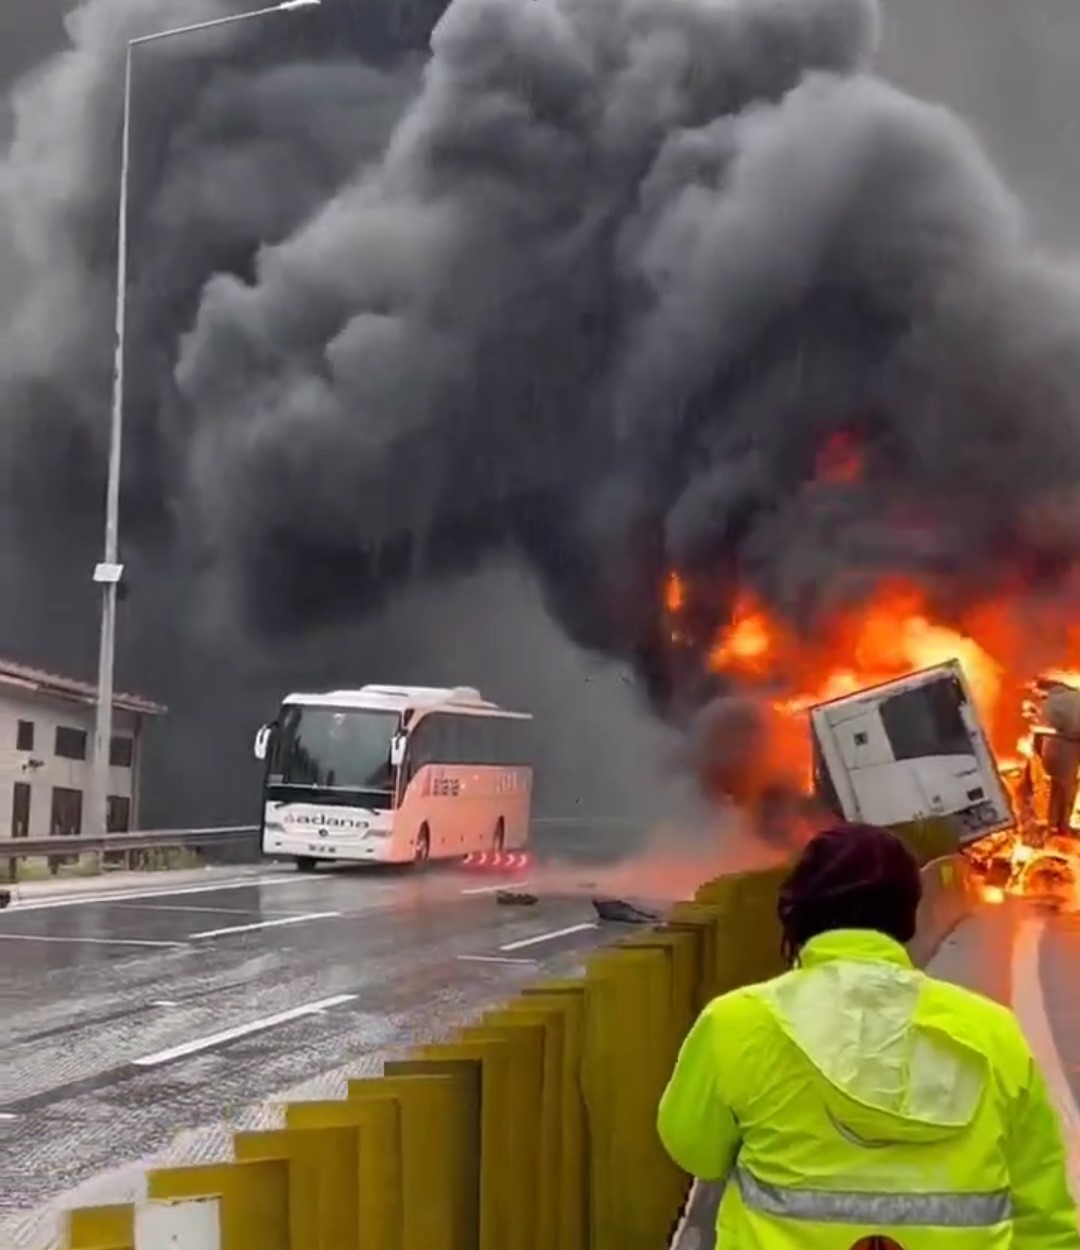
(856, 1102)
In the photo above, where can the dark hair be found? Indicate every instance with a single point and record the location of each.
(850, 877)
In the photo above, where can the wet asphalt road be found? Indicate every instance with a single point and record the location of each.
(126, 1020)
(983, 956)
(1060, 974)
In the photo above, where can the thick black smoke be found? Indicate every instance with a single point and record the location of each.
(590, 290)
(620, 273)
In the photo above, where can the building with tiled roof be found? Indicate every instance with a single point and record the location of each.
(46, 741)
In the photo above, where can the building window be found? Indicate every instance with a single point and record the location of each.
(70, 743)
(118, 817)
(121, 752)
(24, 736)
(20, 810)
(66, 812)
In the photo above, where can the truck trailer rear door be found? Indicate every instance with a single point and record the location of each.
(910, 749)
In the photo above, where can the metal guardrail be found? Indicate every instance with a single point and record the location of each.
(197, 839)
(125, 848)
(118, 843)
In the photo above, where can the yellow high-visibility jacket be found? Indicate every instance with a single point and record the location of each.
(856, 1097)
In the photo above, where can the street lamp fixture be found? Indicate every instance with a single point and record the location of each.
(110, 571)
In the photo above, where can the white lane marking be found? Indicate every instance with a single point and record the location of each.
(1029, 1004)
(266, 924)
(494, 889)
(241, 1030)
(8, 1115)
(548, 937)
(164, 1002)
(89, 941)
(117, 896)
(213, 911)
(493, 959)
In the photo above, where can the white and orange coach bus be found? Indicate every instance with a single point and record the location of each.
(394, 774)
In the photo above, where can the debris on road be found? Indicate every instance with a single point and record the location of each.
(617, 911)
(515, 898)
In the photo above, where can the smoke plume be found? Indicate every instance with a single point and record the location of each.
(587, 287)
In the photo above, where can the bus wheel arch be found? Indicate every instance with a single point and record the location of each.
(422, 851)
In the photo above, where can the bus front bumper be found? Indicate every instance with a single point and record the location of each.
(297, 846)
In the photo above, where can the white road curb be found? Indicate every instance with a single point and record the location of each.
(1030, 1007)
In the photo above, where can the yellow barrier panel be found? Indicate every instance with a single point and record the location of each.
(703, 920)
(567, 998)
(254, 1199)
(525, 1062)
(380, 1214)
(441, 1106)
(548, 1026)
(496, 1231)
(628, 991)
(929, 839)
(747, 910)
(101, 1228)
(673, 1009)
(323, 1170)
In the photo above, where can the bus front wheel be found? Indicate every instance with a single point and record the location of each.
(305, 863)
(423, 846)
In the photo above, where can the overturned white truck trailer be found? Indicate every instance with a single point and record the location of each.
(910, 749)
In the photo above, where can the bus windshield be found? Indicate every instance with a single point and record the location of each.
(334, 748)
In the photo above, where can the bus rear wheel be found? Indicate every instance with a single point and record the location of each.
(305, 863)
(423, 846)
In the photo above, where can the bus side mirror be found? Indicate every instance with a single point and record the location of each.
(262, 741)
(397, 750)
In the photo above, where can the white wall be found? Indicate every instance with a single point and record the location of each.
(46, 714)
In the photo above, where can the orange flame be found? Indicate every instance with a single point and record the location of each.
(674, 594)
(1003, 645)
(890, 637)
(747, 645)
(840, 460)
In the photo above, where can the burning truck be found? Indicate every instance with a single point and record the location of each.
(915, 749)
(912, 717)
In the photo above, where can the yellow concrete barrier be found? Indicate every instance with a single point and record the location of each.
(531, 1129)
(253, 1197)
(101, 1228)
(571, 1217)
(372, 1186)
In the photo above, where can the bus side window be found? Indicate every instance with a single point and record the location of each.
(448, 739)
(497, 741)
(509, 750)
(465, 740)
(482, 741)
(420, 747)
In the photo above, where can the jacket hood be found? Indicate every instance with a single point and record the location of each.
(852, 1008)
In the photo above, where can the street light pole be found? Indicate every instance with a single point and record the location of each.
(108, 573)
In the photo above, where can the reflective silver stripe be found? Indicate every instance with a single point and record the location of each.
(896, 1210)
